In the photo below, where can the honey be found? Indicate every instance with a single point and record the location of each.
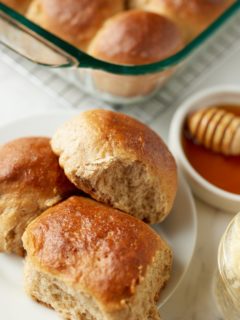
(220, 170)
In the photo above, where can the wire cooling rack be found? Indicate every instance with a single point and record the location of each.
(199, 65)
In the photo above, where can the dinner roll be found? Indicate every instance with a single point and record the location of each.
(192, 16)
(89, 261)
(119, 161)
(134, 38)
(18, 5)
(75, 21)
(31, 181)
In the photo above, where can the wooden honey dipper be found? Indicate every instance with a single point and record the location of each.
(216, 129)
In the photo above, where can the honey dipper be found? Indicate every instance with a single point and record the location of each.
(216, 129)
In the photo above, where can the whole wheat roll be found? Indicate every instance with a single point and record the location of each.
(75, 21)
(192, 16)
(131, 38)
(31, 181)
(87, 260)
(119, 161)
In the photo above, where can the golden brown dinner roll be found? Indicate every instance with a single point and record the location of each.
(31, 181)
(75, 21)
(89, 261)
(134, 38)
(119, 161)
(192, 16)
(18, 5)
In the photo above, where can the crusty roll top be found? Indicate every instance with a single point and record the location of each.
(192, 16)
(94, 248)
(197, 7)
(204, 11)
(136, 37)
(29, 164)
(73, 20)
(102, 134)
(108, 133)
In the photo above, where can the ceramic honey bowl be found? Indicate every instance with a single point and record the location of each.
(205, 139)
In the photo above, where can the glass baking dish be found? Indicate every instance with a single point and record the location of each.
(42, 47)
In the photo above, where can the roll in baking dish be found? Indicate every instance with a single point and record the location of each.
(191, 16)
(134, 37)
(75, 21)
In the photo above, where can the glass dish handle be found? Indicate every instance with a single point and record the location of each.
(30, 41)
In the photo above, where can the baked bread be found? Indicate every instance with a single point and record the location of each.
(89, 261)
(134, 38)
(118, 161)
(31, 181)
(18, 5)
(75, 21)
(192, 16)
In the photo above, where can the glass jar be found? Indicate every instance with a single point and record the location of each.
(227, 282)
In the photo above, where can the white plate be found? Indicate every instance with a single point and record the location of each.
(179, 229)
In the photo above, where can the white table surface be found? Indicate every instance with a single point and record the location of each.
(193, 299)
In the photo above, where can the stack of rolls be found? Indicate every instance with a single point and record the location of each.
(82, 203)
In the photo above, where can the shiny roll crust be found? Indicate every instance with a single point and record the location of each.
(18, 5)
(31, 181)
(136, 37)
(75, 21)
(119, 161)
(89, 261)
(192, 16)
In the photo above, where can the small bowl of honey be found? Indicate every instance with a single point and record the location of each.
(205, 139)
